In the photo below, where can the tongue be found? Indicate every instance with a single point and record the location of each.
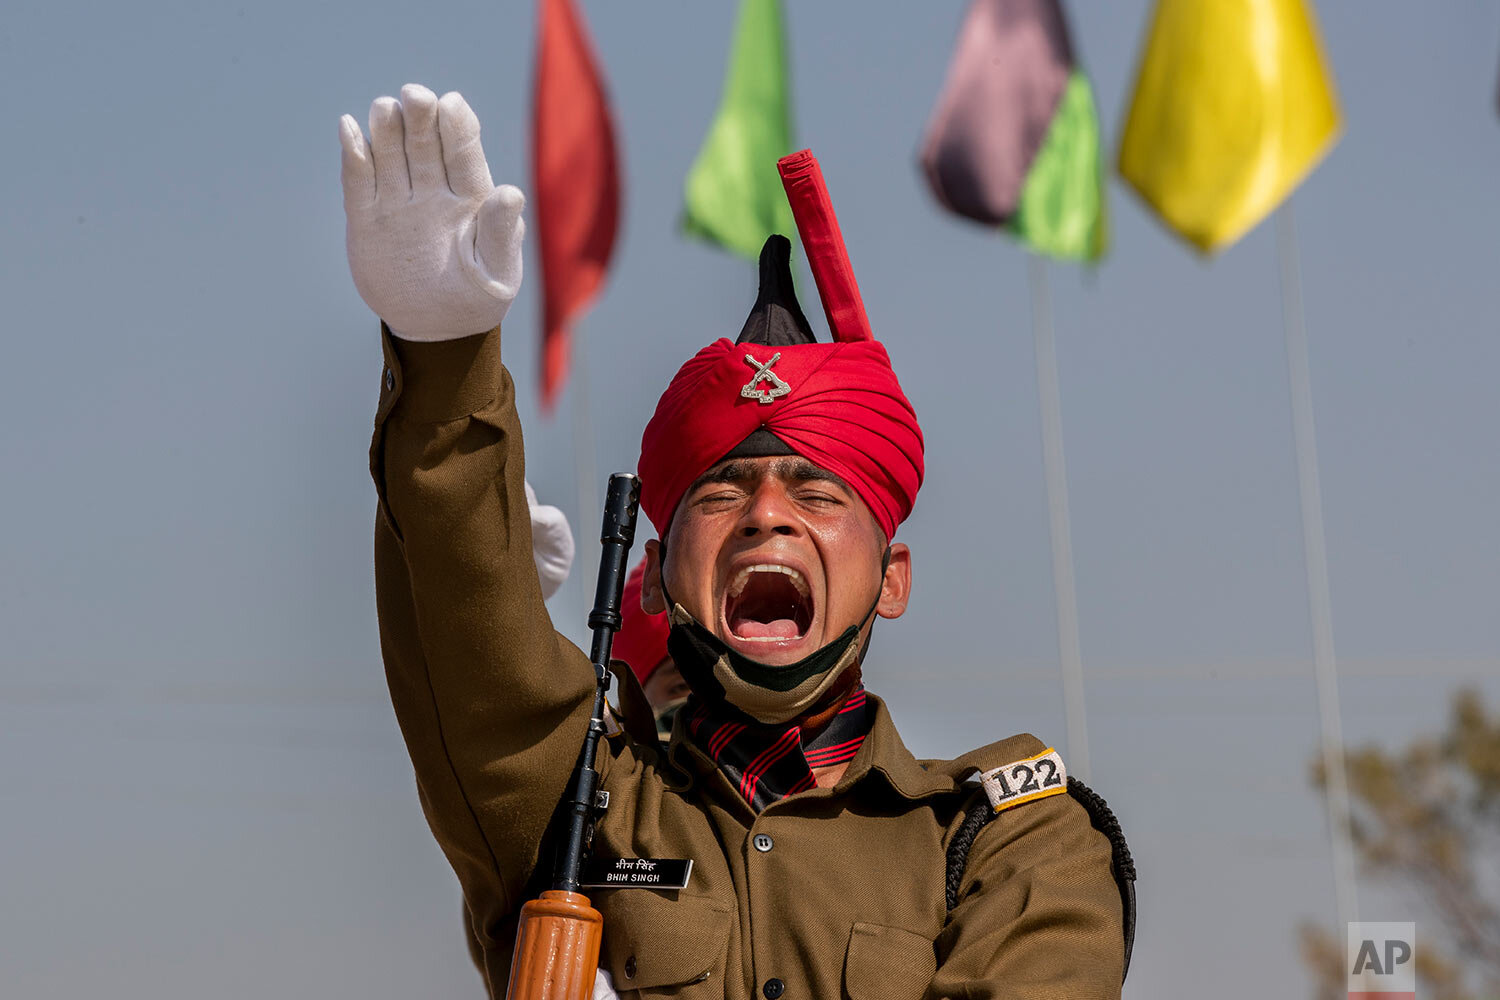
(780, 628)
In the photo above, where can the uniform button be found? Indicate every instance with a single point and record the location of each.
(630, 967)
(764, 843)
(773, 989)
(390, 379)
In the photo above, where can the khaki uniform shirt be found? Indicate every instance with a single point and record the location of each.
(832, 892)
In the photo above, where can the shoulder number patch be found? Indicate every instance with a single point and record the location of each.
(1026, 780)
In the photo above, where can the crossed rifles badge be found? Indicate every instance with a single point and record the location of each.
(763, 373)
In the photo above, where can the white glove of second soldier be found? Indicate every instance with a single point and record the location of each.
(434, 245)
(551, 543)
(604, 987)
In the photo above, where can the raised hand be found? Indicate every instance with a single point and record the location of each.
(434, 245)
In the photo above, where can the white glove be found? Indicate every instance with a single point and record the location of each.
(604, 987)
(434, 245)
(551, 543)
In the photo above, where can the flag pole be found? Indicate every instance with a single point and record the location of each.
(585, 463)
(1058, 518)
(1315, 552)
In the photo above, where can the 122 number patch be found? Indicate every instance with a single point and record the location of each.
(1026, 780)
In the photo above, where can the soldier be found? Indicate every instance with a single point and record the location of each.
(641, 644)
(826, 860)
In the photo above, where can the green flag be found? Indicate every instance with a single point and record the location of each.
(733, 194)
(1062, 209)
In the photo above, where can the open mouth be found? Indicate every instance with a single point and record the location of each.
(768, 602)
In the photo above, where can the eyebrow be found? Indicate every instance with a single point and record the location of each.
(795, 468)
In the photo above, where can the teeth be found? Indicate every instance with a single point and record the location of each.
(737, 585)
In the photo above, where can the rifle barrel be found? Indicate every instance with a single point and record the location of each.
(621, 505)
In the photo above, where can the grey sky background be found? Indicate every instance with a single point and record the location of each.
(202, 789)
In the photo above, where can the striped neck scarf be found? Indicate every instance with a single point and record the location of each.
(767, 763)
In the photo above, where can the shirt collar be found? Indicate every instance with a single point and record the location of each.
(883, 757)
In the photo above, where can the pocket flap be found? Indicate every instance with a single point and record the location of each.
(653, 940)
(888, 962)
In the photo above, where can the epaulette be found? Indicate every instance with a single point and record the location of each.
(986, 808)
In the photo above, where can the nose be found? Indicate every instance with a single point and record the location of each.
(770, 511)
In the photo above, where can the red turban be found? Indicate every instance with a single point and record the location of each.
(642, 639)
(842, 409)
(838, 405)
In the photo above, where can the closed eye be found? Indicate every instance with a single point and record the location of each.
(719, 497)
(821, 498)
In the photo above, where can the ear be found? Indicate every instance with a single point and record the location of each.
(895, 588)
(653, 598)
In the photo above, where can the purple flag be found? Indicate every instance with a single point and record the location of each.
(1008, 74)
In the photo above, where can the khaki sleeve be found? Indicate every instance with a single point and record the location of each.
(1039, 913)
(476, 950)
(491, 701)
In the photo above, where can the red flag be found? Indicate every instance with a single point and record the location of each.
(575, 181)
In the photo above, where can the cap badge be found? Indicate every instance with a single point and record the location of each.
(763, 373)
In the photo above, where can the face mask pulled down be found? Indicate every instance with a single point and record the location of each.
(768, 694)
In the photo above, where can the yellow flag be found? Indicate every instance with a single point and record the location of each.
(1233, 106)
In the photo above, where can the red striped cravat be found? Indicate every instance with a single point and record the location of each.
(766, 763)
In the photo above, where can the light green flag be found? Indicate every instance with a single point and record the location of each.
(733, 194)
(1062, 209)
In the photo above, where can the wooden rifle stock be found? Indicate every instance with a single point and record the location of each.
(557, 948)
(559, 934)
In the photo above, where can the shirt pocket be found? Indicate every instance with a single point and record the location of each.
(657, 944)
(887, 963)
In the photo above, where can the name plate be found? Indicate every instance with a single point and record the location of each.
(643, 873)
